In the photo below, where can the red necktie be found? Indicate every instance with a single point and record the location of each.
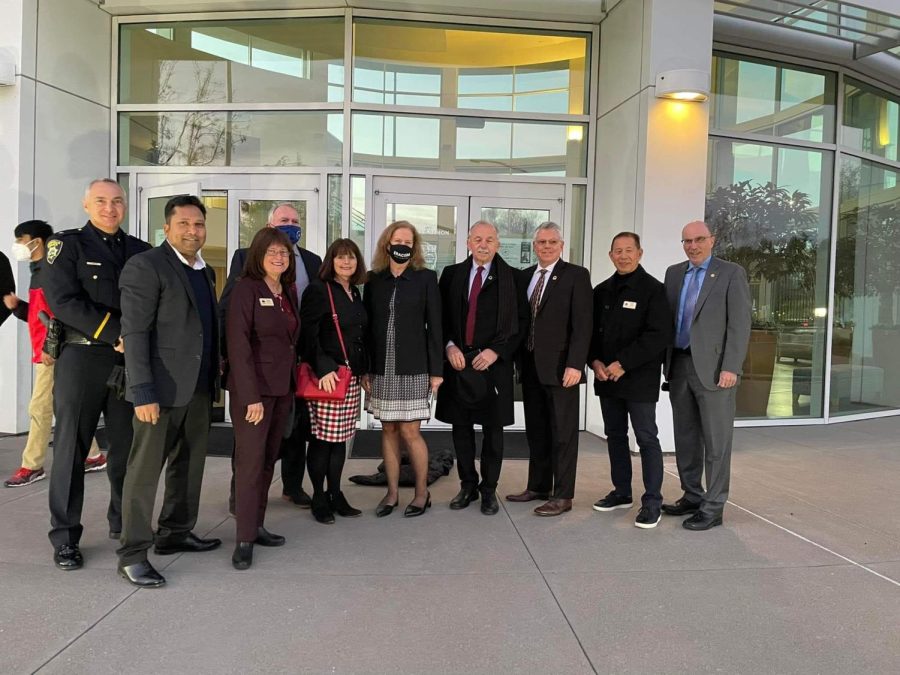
(473, 306)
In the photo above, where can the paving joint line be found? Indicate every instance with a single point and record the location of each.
(84, 632)
(810, 541)
(550, 589)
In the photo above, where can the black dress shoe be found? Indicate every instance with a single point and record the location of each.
(463, 498)
(266, 538)
(190, 544)
(242, 557)
(701, 521)
(341, 506)
(300, 499)
(321, 509)
(141, 574)
(412, 511)
(680, 508)
(527, 496)
(68, 557)
(489, 503)
(383, 510)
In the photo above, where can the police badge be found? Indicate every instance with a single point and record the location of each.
(54, 246)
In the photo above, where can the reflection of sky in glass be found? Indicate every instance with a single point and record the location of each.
(801, 170)
(491, 142)
(538, 140)
(751, 162)
(491, 82)
(755, 91)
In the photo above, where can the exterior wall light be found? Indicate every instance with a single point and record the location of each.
(7, 74)
(683, 85)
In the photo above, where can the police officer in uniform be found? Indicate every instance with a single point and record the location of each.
(82, 289)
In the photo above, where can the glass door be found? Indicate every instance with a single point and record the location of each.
(516, 219)
(248, 211)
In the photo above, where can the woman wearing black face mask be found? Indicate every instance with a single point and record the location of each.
(404, 307)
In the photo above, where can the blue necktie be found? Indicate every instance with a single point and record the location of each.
(687, 316)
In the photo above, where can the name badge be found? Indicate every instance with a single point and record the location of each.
(629, 304)
(88, 262)
(266, 302)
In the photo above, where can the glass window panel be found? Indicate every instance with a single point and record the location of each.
(334, 211)
(576, 231)
(215, 138)
(750, 96)
(239, 61)
(770, 209)
(516, 229)
(865, 371)
(437, 226)
(254, 215)
(469, 144)
(358, 211)
(538, 103)
(871, 120)
(464, 66)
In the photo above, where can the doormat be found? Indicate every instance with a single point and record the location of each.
(367, 443)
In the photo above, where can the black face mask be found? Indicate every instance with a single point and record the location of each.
(400, 253)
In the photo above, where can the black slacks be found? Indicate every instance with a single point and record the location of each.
(293, 450)
(178, 441)
(80, 394)
(616, 412)
(491, 455)
(551, 427)
(256, 449)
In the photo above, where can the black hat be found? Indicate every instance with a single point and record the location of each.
(473, 386)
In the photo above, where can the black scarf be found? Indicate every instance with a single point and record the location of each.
(508, 316)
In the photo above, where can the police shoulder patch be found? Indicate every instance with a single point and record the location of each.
(54, 246)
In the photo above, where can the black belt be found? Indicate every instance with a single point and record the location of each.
(682, 352)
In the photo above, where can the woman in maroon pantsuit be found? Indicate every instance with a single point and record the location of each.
(262, 328)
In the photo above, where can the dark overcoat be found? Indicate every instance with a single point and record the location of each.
(454, 286)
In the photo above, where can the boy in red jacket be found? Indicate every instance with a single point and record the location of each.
(31, 238)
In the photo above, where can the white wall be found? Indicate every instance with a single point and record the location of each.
(651, 153)
(54, 138)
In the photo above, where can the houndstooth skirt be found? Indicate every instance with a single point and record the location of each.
(335, 421)
(398, 398)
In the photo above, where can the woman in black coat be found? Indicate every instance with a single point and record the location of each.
(404, 306)
(334, 422)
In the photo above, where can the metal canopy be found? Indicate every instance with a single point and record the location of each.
(870, 31)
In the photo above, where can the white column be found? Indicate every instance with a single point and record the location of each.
(54, 138)
(651, 153)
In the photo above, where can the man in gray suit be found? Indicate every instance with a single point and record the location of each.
(710, 301)
(169, 326)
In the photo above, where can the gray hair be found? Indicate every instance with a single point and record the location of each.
(97, 181)
(276, 207)
(548, 225)
(484, 222)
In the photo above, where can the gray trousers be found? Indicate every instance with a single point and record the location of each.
(178, 442)
(704, 428)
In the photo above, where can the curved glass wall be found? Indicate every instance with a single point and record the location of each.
(447, 66)
(770, 205)
(239, 61)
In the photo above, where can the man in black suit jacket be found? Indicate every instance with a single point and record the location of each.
(484, 319)
(553, 356)
(632, 328)
(169, 326)
(293, 450)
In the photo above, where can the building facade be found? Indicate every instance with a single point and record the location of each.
(364, 113)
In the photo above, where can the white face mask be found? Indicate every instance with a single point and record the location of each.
(22, 252)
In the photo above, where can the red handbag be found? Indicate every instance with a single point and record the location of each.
(308, 383)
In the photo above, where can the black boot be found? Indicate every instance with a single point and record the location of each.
(321, 508)
(341, 507)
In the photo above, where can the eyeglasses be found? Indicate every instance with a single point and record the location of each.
(695, 240)
(277, 253)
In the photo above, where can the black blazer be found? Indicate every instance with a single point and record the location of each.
(161, 326)
(562, 327)
(262, 350)
(632, 325)
(311, 263)
(418, 345)
(320, 346)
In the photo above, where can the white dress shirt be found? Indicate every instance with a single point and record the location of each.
(537, 275)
